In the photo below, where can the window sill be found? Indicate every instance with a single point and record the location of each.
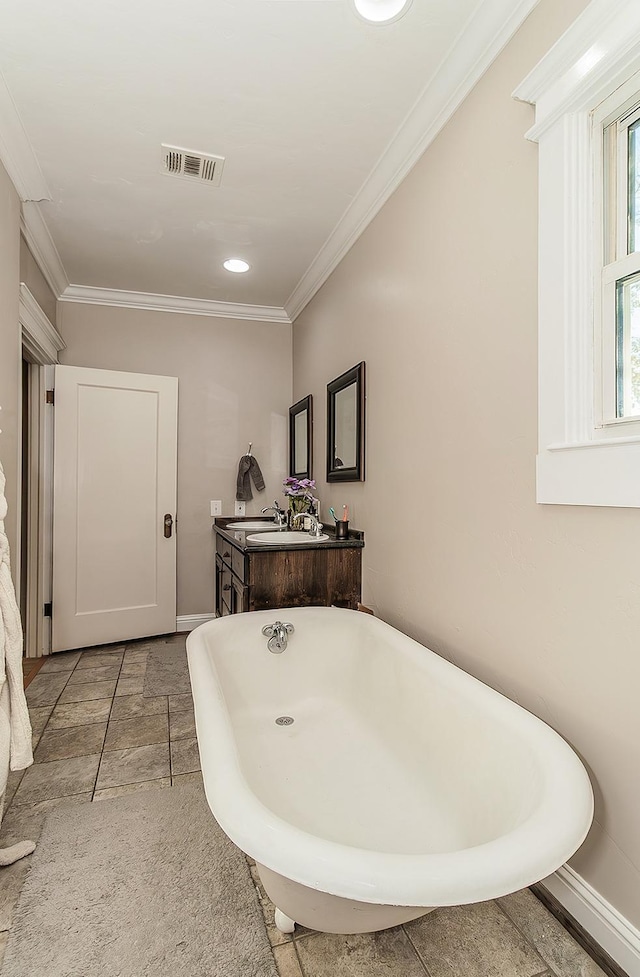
(577, 474)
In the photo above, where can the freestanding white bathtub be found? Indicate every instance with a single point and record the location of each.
(402, 784)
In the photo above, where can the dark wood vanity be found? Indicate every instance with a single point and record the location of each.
(255, 577)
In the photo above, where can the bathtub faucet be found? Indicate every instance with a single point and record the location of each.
(277, 635)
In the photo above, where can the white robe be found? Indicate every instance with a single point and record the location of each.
(15, 727)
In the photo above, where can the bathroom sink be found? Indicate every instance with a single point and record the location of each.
(256, 524)
(280, 538)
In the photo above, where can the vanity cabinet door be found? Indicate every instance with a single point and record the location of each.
(228, 593)
(224, 549)
(240, 596)
(232, 595)
(218, 594)
(238, 564)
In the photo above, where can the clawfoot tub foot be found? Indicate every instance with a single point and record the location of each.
(284, 923)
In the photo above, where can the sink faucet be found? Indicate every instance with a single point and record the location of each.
(277, 635)
(279, 514)
(316, 525)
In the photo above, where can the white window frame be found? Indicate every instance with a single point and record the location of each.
(586, 456)
(615, 114)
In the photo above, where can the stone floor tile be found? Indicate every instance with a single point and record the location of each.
(45, 688)
(136, 657)
(96, 650)
(177, 638)
(80, 713)
(130, 686)
(58, 778)
(286, 959)
(13, 877)
(142, 731)
(64, 661)
(473, 941)
(180, 701)
(182, 724)
(13, 782)
(552, 941)
(90, 660)
(107, 792)
(184, 756)
(185, 778)
(364, 955)
(39, 716)
(133, 766)
(25, 823)
(133, 669)
(131, 706)
(89, 690)
(102, 673)
(60, 744)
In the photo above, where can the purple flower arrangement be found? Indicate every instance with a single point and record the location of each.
(300, 494)
(299, 487)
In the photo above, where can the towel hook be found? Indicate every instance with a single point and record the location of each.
(249, 451)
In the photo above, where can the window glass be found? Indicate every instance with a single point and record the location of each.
(628, 346)
(633, 184)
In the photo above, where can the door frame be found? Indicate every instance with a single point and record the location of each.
(41, 344)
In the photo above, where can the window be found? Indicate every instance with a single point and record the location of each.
(621, 257)
(586, 91)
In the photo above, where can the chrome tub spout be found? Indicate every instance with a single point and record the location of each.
(277, 635)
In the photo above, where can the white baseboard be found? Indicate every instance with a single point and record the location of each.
(606, 925)
(187, 622)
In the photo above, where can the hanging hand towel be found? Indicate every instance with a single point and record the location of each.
(248, 468)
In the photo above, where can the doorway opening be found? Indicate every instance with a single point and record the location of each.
(41, 343)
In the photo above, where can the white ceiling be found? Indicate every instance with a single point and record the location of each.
(302, 98)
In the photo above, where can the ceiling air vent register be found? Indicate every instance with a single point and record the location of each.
(186, 164)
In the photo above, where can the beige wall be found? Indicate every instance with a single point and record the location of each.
(10, 347)
(439, 298)
(35, 281)
(234, 387)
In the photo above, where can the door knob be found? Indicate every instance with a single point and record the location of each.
(168, 525)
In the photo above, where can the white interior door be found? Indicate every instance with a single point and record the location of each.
(114, 546)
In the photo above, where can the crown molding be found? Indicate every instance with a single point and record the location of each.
(39, 335)
(584, 65)
(570, 46)
(16, 152)
(171, 303)
(40, 243)
(481, 40)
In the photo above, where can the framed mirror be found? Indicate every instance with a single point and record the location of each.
(345, 426)
(301, 438)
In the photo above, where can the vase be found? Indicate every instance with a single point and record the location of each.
(297, 505)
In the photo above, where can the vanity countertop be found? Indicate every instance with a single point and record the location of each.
(238, 538)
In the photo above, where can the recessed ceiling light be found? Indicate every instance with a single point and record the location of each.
(381, 11)
(236, 264)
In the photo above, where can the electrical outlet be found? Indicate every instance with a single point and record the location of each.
(239, 509)
(216, 507)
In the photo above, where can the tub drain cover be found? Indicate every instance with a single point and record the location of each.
(284, 720)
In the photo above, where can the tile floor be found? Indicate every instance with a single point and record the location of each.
(96, 736)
